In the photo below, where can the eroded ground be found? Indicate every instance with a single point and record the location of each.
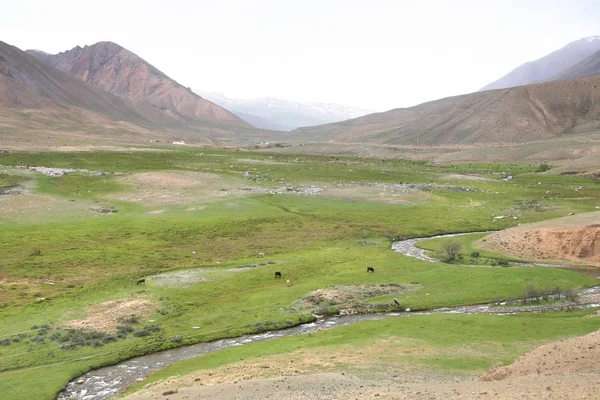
(573, 238)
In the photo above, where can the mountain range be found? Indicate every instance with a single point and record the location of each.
(552, 67)
(514, 115)
(283, 115)
(106, 93)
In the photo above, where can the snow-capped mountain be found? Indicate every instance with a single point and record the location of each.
(283, 115)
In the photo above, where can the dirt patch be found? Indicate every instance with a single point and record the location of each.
(181, 278)
(254, 161)
(459, 177)
(106, 317)
(366, 372)
(176, 187)
(574, 239)
(350, 296)
(568, 356)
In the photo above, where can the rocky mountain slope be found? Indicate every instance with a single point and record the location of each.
(549, 67)
(515, 115)
(120, 72)
(284, 115)
(588, 67)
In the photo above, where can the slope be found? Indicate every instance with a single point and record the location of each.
(516, 115)
(546, 68)
(588, 67)
(123, 73)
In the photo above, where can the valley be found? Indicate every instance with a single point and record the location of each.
(191, 222)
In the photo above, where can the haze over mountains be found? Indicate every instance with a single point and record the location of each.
(550, 67)
(284, 115)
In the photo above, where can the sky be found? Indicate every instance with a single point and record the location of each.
(371, 54)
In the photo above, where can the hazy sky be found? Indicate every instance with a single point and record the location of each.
(374, 54)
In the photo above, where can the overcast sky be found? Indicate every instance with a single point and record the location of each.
(374, 54)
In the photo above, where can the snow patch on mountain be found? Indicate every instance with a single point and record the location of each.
(284, 115)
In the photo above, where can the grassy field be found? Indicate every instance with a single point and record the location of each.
(58, 267)
(459, 344)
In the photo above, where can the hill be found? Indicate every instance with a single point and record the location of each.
(42, 106)
(120, 72)
(516, 115)
(550, 66)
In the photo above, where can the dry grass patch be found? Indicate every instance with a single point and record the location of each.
(177, 187)
(106, 317)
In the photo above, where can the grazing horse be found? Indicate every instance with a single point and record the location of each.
(277, 274)
(370, 269)
(288, 282)
(396, 302)
(141, 281)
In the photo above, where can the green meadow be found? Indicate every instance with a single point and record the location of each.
(195, 235)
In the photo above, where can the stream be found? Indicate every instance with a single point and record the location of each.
(106, 382)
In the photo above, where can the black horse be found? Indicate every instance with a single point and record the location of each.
(277, 274)
(370, 269)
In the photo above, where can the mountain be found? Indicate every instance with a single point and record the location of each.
(284, 115)
(514, 115)
(43, 106)
(120, 72)
(587, 67)
(550, 66)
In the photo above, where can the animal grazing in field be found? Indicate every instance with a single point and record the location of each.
(396, 302)
(288, 282)
(277, 274)
(141, 281)
(370, 269)
(260, 255)
(407, 310)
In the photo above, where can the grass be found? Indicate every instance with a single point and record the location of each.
(468, 246)
(316, 242)
(458, 343)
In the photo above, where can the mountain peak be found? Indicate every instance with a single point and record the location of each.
(123, 73)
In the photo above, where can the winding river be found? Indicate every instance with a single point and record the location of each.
(106, 382)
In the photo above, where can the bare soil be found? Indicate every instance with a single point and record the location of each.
(107, 316)
(574, 238)
(561, 370)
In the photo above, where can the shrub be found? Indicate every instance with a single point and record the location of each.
(571, 294)
(543, 168)
(475, 254)
(503, 263)
(450, 250)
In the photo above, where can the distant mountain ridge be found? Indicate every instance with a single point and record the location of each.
(588, 67)
(550, 67)
(121, 72)
(284, 115)
(515, 115)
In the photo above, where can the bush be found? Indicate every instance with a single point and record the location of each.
(450, 250)
(543, 168)
(475, 254)
(571, 294)
(503, 263)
